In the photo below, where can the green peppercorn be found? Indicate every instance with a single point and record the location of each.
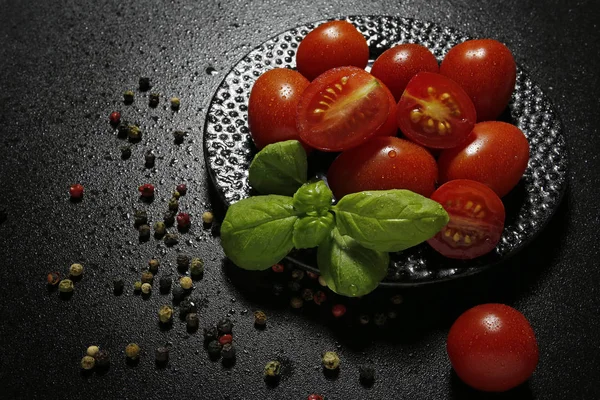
(225, 326)
(173, 204)
(147, 277)
(161, 355)
(228, 351)
(366, 374)
(65, 286)
(175, 103)
(88, 362)
(183, 262)
(153, 265)
(146, 288)
(165, 314)
(330, 360)
(197, 266)
(178, 293)
(132, 351)
(176, 195)
(76, 270)
(144, 84)
(207, 217)
(297, 274)
(118, 285)
(135, 133)
(144, 232)
(214, 349)
(260, 318)
(123, 130)
(211, 333)
(153, 99)
(192, 321)
(92, 351)
(159, 229)
(137, 286)
(307, 294)
(165, 284)
(272, 369)
(128, 97)
(102, 359)
(140, 217)
(296, 302)
(179, 136)
(149, 159)
(186, 282)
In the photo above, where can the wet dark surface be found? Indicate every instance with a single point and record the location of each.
(63, 69)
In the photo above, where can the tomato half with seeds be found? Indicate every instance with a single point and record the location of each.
(476, 219)
(341, 109)
(435, 111)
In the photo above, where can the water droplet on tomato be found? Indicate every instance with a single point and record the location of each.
(392, 154)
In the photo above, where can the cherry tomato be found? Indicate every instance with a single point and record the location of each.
(396, 66)
(389, 127)
(495, 153)
(476, 219)
(330, 45)
(486, 70)
(272, 106)
(341, 109)
(492, 347)
(435, 112)
(383, 163)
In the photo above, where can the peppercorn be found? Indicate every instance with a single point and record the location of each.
(132, 351)
(161, 355)
(186, 282)
(297, 274)
(225, 326)
(165, 314)
(102, 359)
(392, 314)
(144, 84)
(338, 310)
(214, 349)
(278, 268)
(137, 286)
(128, 97)
(228, 351)
(76, 191)
(183, 220)
(192, 321)
(183, 262)
(118, 285)
(207, 218)
(294, 286)
(175, 103)
(173, 204)
(115, 118)
(366, 374)
(159, 229)
(149, 159)
(186, 307)
(146, 288)
(135, 133)
(330, 360)
(364, 319)
(153, 265)
(179, 136)
(322, 281)
(88, 363)
(314, 397)
(210, 333)
(164, 284)
(53, 278)
(296, 302)
(277, 289)
(272, 369)
(307, 294)
(197, 266)
(319, 297)
(169, 218)
(123, 130)
(178, 293)
(312, 275)
(379, 319)
(153, 99)
(171, 239)
(176, 195)
(144, 231)
(140, 217)
(182, 189)
(260, 318)
(65, 286)
(397, 299)
(146, 190)
(225, 339)
(125, 152)
(92, 351)
(147, 277)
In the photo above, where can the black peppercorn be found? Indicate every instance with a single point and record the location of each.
(123, 130)
(118, 286)
(228, 351)
(277, 289)
(380, 319)
(144, 231)
(161, 355)
(186, 307)
(140, 217)
(125, 152)
(171, 239)
(164, 284)
(178, 293)
(153, 99)
(102, 359)
(179, 136)
(169, 218)
(144, 84)
(307, 294)
(366, 374)
(224, 326)
(183, 262)
(294, 286)
(149, 159)
(192, 321)
(214, 349)
(210, 333)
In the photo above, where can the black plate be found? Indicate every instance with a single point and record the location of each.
(229, 149)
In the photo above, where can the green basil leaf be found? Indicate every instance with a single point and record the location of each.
(349, 268)
(279, 168)
(257, 232)
(310, 231)
(313, 198)
(389, 220)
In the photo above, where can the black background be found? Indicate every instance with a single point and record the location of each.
(63, 68)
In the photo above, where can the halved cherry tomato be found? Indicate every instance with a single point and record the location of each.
(476, 219)
(383, 163)
(330, 45)
(389, 127)
(272, 106)
(495, 153)
(341, 109)
(396, 66)
(435, 111)
(486, 70)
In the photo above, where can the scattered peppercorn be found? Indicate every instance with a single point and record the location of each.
(278, 268)
(123, 130)
(115, 117)
(392, 314)
(128, 97)
(118, 285)
(173, 204)
(186, 282)
(140, 217)
(183, 220)
(225, 326)
(53, 278)
(132, 351)
(364, 319)
(314, 397)
(144, 231)
(366, 374)
(164, 284)
(307, 294)
(102, 359)
(65, 286)
(179, 136)
(159, 229)
(178, 293)
(171, 239)
(153, 263)
(183, 262)
(272, 369)
(297, 274)
(322, 281)
(165, 314)
(294, 286)
(147, 277)
(182, 189)
(277, 289)
(88, 363)
(149, 159)
(379, 319)
(146, 190)
(210, 333)
(176, 195)
(153, 99)
(197, 266)
(137, 286)
(175, 103)
(125, 152)
(76, 191)
(169, 218)
(296, 302)
(397, 299)
(76, 270)
(144, 84)
(192, 321)
(312, 275)
(214, 349)
(92, 351)
(320, 297)
(225, 339)
(146, 288)
(330, 360)
(228, 351)
(186, 307)
(135, 133)
(207, 218)
(338, 310)
(260, 318)
(161, 355)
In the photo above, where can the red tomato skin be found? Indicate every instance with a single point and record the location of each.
(383, 163)
(492, 347)
(272, 106)
(486, 70)
(495, 153)
(389, 127)
(330, 45)
(396, 66)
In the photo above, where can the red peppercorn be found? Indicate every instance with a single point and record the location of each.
(146, 190)
(319, 297)
(227, 338)
(182, 189)
(277, 268)
(314, 397)
(338, 310)
(183, 220)
(53, 278)
(115, 118)
(76, 191)
(312, 275)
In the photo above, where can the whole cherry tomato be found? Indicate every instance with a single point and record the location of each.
(492, 347)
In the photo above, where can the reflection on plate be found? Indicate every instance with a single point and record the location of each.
(229, 150)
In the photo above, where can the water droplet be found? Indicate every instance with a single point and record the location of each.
(392, 154)
(211, 71)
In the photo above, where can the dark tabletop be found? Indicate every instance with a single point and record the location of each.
(63, 68)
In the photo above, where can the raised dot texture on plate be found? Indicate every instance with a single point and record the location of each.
(228, 147)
